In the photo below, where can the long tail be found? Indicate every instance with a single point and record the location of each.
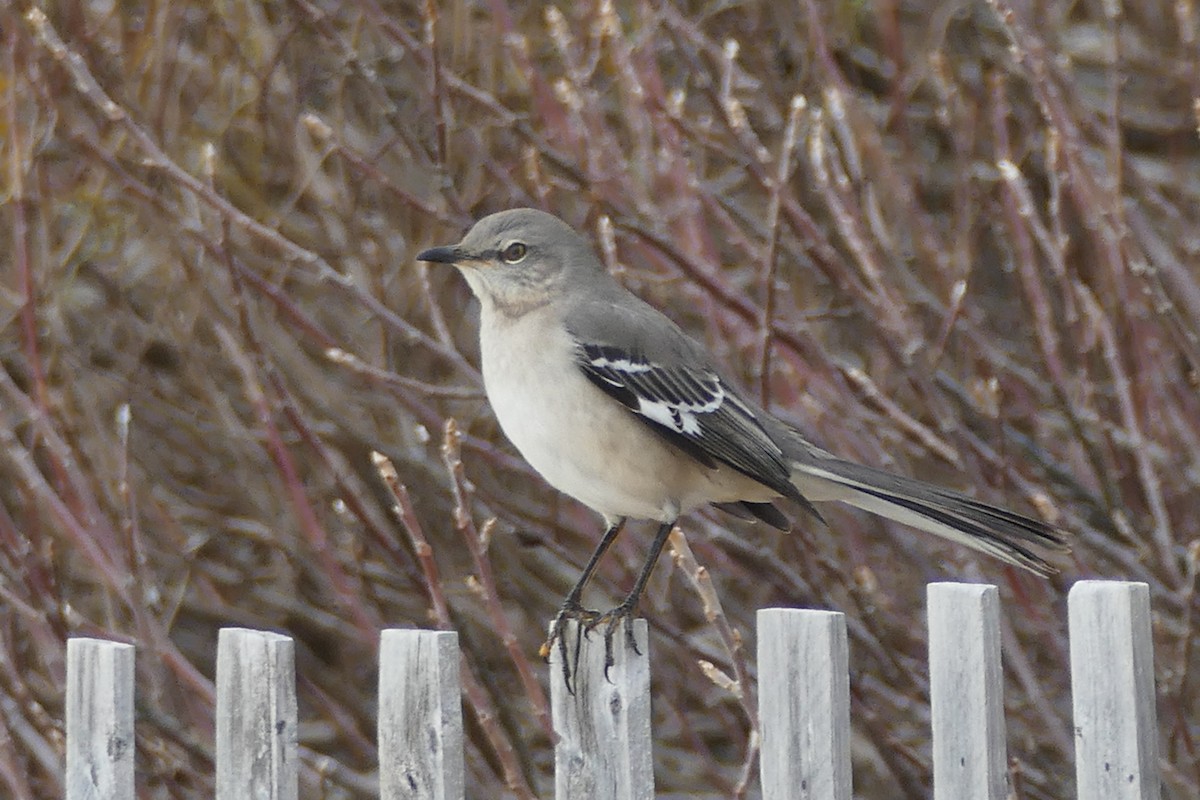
(996, 531)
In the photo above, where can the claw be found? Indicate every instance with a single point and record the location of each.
(558, 635)
(611, 620)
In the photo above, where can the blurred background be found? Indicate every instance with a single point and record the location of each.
(956, 239)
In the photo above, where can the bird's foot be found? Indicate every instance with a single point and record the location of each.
(610, 621)
(572, 610)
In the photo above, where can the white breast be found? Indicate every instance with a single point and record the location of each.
(583, 442)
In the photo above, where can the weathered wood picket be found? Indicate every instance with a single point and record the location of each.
(604, 749)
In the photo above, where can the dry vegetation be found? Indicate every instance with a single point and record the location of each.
(958, 239)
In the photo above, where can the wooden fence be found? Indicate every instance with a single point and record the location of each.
(604, 749)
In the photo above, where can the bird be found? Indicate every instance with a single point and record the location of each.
(613, 404)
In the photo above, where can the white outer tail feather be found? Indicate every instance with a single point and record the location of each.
(819, 484)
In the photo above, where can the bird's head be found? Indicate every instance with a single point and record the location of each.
(519, 259)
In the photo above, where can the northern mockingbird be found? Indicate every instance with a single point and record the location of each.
(619, 408)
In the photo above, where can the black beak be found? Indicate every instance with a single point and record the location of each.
(443, 255)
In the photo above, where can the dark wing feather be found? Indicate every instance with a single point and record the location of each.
(692, 409)
(764, 512)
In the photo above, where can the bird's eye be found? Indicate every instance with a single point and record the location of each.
(514, 252)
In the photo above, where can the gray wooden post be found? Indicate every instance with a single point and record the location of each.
(1112, 679)
(256, 716)
(420, 716)
(966, 684)
(604, 748)
(804, 704)
(99, 723)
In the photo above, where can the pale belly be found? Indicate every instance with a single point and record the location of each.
(588, 445)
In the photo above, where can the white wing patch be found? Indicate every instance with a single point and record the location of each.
(663, 414)
(621, 364)
(680, 417)
(689, 404)
(656, 400)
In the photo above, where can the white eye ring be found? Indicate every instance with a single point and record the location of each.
(514, 252)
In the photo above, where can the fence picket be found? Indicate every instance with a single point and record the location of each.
(99, 723)
(256, 716)
(420, 716)
(966, 692)
(804, 704)
(604, 749)
(1112, 676)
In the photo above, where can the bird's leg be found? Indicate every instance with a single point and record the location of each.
(625, 611)
(572, 607)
